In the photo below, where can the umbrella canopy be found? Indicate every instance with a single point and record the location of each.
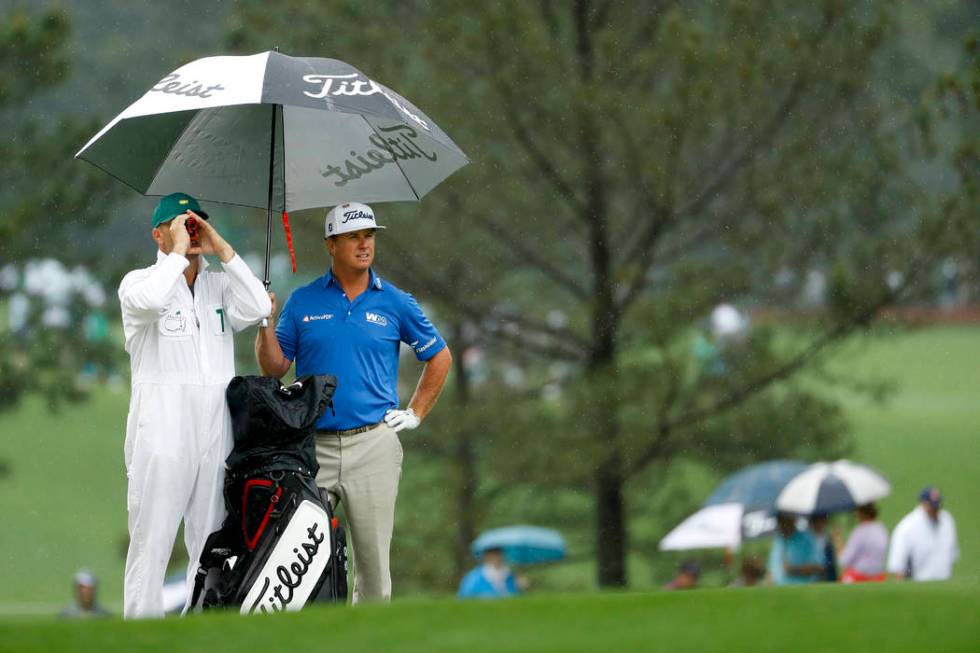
(756, 487)
(740, 508)
(832, 487)
(523, 545)
(712, 527)
(209, 129)
(275, 132)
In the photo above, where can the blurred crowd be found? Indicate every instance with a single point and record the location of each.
(923, 546)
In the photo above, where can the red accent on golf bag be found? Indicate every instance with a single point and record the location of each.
(273, 499)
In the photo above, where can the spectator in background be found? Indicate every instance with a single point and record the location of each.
(924, 545)
(85, 605)
(863, 557)
(491, 580)
(794, 557)
(825, 547)
(687, 577)
(750, 574)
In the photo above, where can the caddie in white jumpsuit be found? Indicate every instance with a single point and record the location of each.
(178, 319)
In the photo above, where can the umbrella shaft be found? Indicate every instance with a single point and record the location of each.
(268, 216)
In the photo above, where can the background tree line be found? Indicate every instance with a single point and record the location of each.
(634, 165)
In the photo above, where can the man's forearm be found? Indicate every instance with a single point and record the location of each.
(268, 353)
(430, 383)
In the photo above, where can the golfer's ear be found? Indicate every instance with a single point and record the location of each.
(157, 236)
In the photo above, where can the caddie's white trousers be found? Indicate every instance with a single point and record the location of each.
(362, 471)
(177, 439)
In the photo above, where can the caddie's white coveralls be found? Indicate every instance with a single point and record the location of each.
(178, 432)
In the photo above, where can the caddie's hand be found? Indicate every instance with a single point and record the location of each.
(275, 308)
(178, 234)
(401, 420)
(211, 240)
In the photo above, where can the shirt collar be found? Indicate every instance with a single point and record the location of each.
(202, 263)
(374, 283)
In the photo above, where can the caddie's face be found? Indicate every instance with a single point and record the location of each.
(165, 239)
(353, 250)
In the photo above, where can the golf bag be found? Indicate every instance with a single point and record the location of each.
(280, 546)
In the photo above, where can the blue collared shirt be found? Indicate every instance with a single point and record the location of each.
(357, 342)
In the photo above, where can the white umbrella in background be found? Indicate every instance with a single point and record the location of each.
(832, 487)
(711, 527)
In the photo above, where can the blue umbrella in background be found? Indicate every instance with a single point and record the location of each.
(740, 508)
(523, 545)
(757, 487)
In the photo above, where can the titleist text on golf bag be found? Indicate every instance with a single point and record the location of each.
(280, 547)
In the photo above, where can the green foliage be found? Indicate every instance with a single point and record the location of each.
(55, 340)
(49, 202)
(633, 166)
(30, 53)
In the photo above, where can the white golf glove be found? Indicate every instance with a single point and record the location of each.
(401, 420)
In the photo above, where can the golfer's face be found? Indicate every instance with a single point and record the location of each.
(354, 250)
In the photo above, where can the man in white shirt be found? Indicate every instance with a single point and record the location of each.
(178, 319)
(923, 545)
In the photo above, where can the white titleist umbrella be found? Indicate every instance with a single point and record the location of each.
(832, 487)
(275, 132)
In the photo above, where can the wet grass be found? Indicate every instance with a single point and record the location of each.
(888, 617)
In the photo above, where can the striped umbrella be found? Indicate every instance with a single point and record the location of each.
(832, 487)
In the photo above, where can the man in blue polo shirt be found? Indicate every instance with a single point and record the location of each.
(351, 323)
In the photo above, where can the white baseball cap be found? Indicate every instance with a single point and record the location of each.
(352, 216)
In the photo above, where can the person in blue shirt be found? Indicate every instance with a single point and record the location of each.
(350, 323)
(491, 580)
(794, 557)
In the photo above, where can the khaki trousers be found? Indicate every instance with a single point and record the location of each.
(362, 471)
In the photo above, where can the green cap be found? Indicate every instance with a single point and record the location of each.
(174, 204)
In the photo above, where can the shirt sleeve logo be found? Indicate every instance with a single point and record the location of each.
(419, 350)
(375, 318)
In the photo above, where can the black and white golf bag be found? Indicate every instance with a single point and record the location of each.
(280, 546)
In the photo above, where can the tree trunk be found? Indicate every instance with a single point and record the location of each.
(463, 460)
(610, 517)
(610, 525)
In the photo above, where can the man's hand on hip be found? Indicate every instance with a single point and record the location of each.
(401, 420)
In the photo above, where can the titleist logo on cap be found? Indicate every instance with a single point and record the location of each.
(356, 214)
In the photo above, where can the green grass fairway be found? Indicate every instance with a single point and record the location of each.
(891, 617)
(65, 504)
(928, 432)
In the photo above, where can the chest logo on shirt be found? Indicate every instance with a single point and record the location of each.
(175, 322)
(375, 318)
(314, 318)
